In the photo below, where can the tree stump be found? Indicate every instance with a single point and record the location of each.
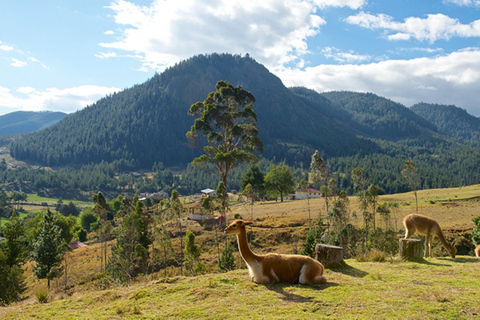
(328, 255)
(411, 249)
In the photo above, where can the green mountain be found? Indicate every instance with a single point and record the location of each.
(381, 118)
(450, 120)
(28, 121)
(147, 123)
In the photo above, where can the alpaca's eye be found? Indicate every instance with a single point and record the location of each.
(234, 225)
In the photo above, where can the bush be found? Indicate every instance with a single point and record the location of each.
(82, 235)
(476, 230)
(385, 241)
(42, 294)
(87, 217)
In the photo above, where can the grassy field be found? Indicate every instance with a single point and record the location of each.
(436, 288)
(33, 198)
(454, 208)
(35, 205)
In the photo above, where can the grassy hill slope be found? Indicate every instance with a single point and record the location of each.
(436, 289)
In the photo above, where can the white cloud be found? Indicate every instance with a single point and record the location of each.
(428, 50)
(433, 28)
(353, 4)
(52, 99)
(26, 90)
(38, 61)
(466, 3)
(6, 47)
(449, 79)
(106, 55)
(344, 57)
(109, 32)
(167, 31)
(18, 63)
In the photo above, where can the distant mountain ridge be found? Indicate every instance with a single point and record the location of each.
(379, 117)
(19, 122)
(450, 120)
(146, 124)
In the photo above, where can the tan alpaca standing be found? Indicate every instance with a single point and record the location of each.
(477, 251)
(429, 227)
(272, 267)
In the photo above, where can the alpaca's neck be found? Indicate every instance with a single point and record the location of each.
(442, 239)
(245, 251)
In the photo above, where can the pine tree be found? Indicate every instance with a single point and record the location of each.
(192, 253)
(46, 249)
(130, 255)
(313, 236)
(14, 244)
(256, 178)
(12, 256)
(227, 260)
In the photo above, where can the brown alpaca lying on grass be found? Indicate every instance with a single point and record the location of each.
(429, 227)
(477, 251)
(272, 267)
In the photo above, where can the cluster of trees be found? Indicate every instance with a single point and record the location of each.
(43, 238)
(12, 258)
(437, 167)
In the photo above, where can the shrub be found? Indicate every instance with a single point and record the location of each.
(87, 217)
(192, 253)
(82, 235)
(476, 230)
(42, 294)
(227, 260)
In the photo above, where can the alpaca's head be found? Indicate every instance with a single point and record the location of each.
(237, 226)
(452, 251)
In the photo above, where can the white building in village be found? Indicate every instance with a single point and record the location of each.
(208, 192)
(307, 193)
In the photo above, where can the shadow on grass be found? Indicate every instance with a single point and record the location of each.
(289, 296)
(424, 261)
(348, 270)
(464, 259)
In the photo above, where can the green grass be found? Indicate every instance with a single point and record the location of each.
(32, 197)
(440, 288)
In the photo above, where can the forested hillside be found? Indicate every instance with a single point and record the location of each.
(450, 120)
(147, 123)
(381, 118)
(144, 127)
(28, 121)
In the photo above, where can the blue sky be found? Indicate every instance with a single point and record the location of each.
(64, 55)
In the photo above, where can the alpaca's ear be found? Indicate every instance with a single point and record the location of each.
(247, 222)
